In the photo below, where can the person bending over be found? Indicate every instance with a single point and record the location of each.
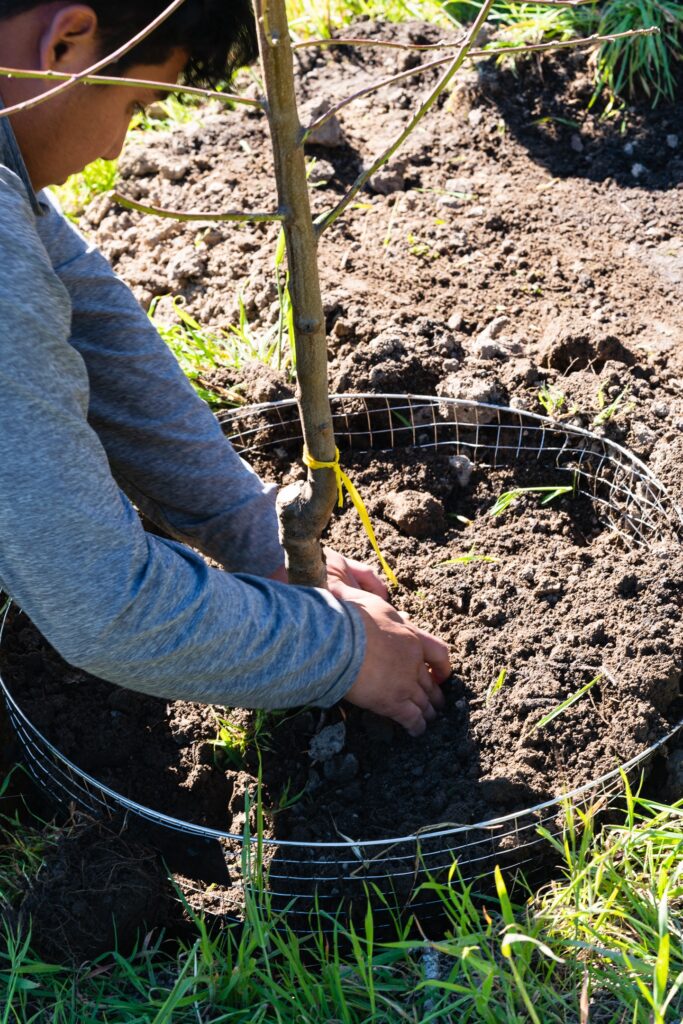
(95, 414)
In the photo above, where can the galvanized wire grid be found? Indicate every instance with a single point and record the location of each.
(627, 497)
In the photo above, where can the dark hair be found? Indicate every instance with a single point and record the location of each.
(219, 35)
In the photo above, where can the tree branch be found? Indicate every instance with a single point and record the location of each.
(499, 51)
(159, 211)
(190, 90)
(454, 64)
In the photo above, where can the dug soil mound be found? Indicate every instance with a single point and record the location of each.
(519, 251)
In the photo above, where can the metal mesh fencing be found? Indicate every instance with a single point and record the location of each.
(307, 877)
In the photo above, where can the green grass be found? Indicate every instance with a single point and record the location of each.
(646, 65)
(508, 498)
(470, 556)
(495, 686)
(601, 943)
(80, 189)
(572, 699)
(200, 350)
(551, 399)
(625, 68)
(321, 18)
(608, 410)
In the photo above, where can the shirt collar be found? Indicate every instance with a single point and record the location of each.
(10, 156)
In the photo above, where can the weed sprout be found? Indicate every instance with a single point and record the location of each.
(509, 497)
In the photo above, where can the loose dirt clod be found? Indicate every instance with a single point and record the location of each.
(96, 889)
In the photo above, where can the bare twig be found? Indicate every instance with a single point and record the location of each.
(182, 215)
(132, 83)
(386, 43)
(493, 52)
(111, 58)
(501, 51)
(454, 63)
(369, 89)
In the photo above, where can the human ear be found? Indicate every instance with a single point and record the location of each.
(68, 42)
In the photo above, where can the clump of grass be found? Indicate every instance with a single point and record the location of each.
(572, 699)
(510, 497)
(235, 739)
(470, 556)
(80, 189)
(602, 943)
(199, 350)
(607, 411)
(644, 64)
(523, 24)
(551, 399)
(174, 110)
(311, 18)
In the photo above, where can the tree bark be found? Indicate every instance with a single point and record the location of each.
(304, 509)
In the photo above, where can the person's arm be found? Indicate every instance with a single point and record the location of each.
(137, 610)
(164, 445)
(158, 620)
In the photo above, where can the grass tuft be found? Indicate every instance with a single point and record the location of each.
(510, 497)
(80, 189)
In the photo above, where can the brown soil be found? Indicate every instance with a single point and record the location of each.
(505, 251)
(95, 891)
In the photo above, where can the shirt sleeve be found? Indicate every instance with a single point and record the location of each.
(135, 609)
(163, 443)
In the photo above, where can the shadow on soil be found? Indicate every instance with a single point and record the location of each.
(545, 107)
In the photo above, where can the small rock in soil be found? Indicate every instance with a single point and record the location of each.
(462, 468)
(174, 169)
(328, 742)
(187, 265)
(321, 170)
(415, 513)
(494, 328)
(487, 349)
(329, 134)
(471, 390)
(389, 179)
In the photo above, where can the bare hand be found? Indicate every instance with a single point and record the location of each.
(351, 573)
(403, 667)
(344, 572)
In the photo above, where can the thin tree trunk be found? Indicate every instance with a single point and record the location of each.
(304, 509)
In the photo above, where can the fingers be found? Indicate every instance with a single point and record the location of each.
(403, 665)
(354, 574)
(431, 689)
(411, 717)
(436, 655)
(367, 579)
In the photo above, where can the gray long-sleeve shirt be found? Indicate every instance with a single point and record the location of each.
(94, 410)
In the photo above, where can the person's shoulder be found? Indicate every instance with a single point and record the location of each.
(27, 274)
(14, 199)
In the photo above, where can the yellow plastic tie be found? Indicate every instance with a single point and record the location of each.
(344, 482)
